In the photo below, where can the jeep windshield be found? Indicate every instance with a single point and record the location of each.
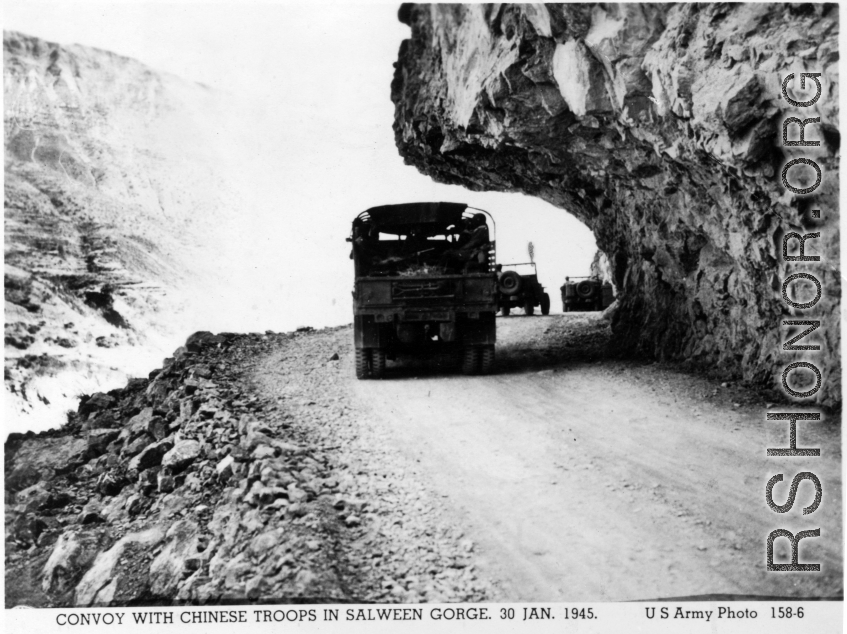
(522, 268)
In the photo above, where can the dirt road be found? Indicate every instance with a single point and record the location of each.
(567, 475)
(584, 478)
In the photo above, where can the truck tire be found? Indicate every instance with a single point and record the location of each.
(510, 283)
(506, 310)
(362, 359)
(470, 360)
(529, 307)
(545, 304)
(377, 363)
(486, 362)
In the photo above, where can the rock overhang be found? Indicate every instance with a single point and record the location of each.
(658, 127)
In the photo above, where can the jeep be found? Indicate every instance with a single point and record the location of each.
(521, 290)
(591, 293)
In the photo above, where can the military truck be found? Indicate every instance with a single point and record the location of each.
(519, 288)
(422, 288)
(590, 293)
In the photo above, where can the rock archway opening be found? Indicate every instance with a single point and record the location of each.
(662, 135)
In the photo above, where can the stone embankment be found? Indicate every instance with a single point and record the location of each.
(241, 471)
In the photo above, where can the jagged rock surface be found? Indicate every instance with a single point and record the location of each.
(659, 127)
(266, 485)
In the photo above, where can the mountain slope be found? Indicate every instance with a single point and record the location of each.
(113, 194)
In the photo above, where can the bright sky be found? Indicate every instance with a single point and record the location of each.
(322, 75)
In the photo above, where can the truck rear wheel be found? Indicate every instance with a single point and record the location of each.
(545, 304)
(486, 363)
(362, 363)
(470, 360)
(377, 363)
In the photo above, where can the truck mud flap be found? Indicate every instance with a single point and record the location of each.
(479, 331)
(369, 334)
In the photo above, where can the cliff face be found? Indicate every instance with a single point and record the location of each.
(658, 126)
(111, 189)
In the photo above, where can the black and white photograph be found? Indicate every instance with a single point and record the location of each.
(368, 312)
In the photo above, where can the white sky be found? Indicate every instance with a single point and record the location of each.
(322, 75)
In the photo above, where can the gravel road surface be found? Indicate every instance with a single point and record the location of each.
(583, 478)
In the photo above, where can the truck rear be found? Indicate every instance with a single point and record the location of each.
(425, 285)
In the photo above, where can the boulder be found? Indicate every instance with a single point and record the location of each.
(62, 564)
(151, 455)
(100, 583)
(148, 480)
(110, 484)
(202, 371)
(94, 403)
(22, 476)
(165, 481)
(59, 454)
(135, 446)
(32, 498)
(99, 439)
(199, 340)
(92, 513)
(157, 427)
(56, 500)
(183, 454)
(224, 468)
(168, 569)
(138, 424)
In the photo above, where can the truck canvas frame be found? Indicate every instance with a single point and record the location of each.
(419, 290)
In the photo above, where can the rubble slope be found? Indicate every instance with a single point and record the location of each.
(241, 471)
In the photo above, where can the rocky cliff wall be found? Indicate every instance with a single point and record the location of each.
(659, 127)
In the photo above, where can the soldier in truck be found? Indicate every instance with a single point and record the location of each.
(473, 244)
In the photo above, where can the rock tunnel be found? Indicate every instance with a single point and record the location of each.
(660, 128)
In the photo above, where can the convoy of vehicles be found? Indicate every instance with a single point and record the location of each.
(422, 286)
(519, 288)
(427, 285)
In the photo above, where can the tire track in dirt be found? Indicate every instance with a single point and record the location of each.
(608, 480)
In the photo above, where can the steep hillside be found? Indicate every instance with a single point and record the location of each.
(659, 127)
(113, 194)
